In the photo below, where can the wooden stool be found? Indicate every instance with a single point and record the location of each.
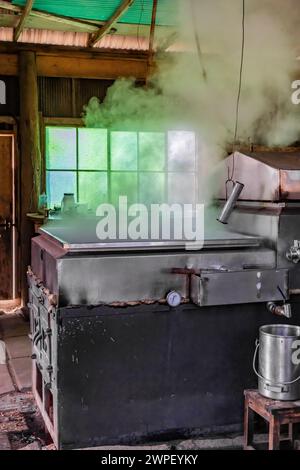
(275, 412)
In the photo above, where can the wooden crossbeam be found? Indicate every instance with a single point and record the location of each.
(95, 37)
(85, 26)
(25, 14)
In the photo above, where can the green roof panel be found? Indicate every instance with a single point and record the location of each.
(139, 13)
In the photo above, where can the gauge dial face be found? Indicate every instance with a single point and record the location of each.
(174, 299)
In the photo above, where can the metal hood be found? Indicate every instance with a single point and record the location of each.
(267, 176)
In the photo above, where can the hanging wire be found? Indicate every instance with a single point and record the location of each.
(197, 40)
(237, 111)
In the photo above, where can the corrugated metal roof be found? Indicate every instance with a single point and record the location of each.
(139, 13)
(43, 36)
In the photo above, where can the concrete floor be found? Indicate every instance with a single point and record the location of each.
(15, 352)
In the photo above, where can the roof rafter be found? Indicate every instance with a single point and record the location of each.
(122, 8)
(25, 14)
(86, 26)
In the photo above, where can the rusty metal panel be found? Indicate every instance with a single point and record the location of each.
(65, 97)
(290, 183)
(55, 96)
(86, 89)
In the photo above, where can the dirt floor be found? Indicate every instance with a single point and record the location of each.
(21, 425)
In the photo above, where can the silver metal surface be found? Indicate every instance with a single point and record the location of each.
(94, 278)
(231, 202)
(267, 176)
(277, 369)
(70, 241)
(239, 287)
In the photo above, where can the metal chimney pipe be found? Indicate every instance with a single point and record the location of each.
(231, 202)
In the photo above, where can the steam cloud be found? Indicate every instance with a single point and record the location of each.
(179, 95)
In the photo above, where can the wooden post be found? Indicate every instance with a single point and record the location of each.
(30, 156)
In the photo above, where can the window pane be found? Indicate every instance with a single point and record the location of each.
(182, 188)
(92, 189)
(58, 183)
(181, 151)
(124, 151)
(152, 151)
(152, 188)
(60, 148)
(92, 149)
(124, 184)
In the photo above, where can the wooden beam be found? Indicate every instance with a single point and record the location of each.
(9, 64)
(25, 14)
(101, 68)
(7, 120)
(94, 38)
(84, 26)
(53, 121)
(60, 61)
(105, 68)
(30, 156)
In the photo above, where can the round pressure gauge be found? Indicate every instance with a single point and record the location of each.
(173, 299)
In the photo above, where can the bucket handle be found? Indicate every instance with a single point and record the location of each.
(263, 378)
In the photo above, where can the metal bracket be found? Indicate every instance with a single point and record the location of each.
(284, 310)
(293, 254)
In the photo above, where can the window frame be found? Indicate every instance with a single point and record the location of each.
(78, 124)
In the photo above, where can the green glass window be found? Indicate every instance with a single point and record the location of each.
(124, 152)
(152, 151)
(99, 165)
(58, 183)
(181, 151)
(92, 188)
(60, 148)
(92, 149)
(124, 184)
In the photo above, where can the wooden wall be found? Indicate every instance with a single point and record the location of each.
(51, 82)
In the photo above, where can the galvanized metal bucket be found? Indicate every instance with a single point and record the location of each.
(279, 362)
